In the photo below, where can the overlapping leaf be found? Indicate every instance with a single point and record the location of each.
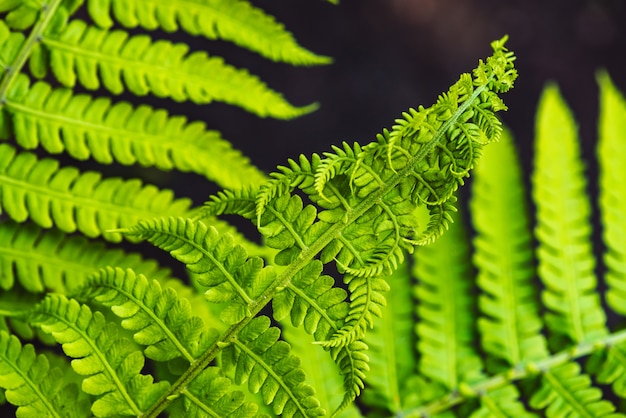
(259, 359)
(33, 386)
(510, 326)
(110, 363)
(565, 391)
(566, 263)
(159, 319)
(216, 260)
(444, 309)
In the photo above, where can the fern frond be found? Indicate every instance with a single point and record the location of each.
(236, 21)
(609, 367)
(565, 391)
(612, 130)
(266, 364)
(502, 402)
(565, 256)
(319, 368)
(110, 364)
(33, 386)
(353, 206)
(217, 262)
(70, 200)
(510, 326)
(158, 318)
(20, 15)
(120, 62)
(210, 394)
(366, 303)
(392, 343)
(353, 364)
(313, 301)
(85, 127)
(51, 260)
(445, 311)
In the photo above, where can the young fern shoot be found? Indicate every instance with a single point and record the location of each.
(360, 213)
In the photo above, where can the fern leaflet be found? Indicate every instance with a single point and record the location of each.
(234, 20)
(70, 200)
(51, 260)
(33, 386)
(159, 319)
(85, 127)
(510, 326)
(111, 364)
(96, 57)
(565, 257)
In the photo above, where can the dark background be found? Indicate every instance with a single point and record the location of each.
(393, 54)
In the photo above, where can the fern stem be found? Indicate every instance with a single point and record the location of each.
(34, 37)
(308, 253)
(519, 372)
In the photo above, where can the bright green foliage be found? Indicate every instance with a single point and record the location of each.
(353, 210)
(266, 364)
(32, 385)
(216, 260)
(564, 390)
(85, 127)
(210, 395)
(320, 370)
(118, 62)
(611, 154)
(49, 260)
(445, 327)
(232, 20)
(565, 256)
(110, 363)
(510, 325)
(36, 189)
(159, 319)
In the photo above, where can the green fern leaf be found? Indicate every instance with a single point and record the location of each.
(85, 127)
(210, 395)
(320, 371)
(502, 402)
(21, 14)
(118, 62)
(609, 367)
(565, 256)
(69, 200)
(31, 385)
(258, 358)
(312, 300)
(392, 342)
(51, 260)
(217, 262)
(510, 326)
(159, 319)
(234, 20)
(378, 192)
(612, 129)
(565, 391)
(110, 363)
(445, 311)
